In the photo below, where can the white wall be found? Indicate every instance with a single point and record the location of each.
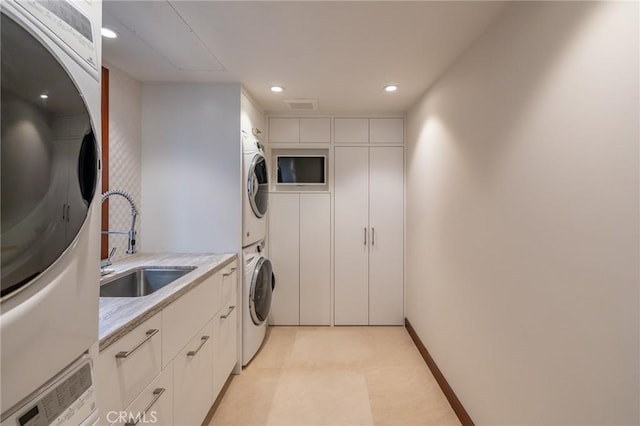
(191, 167)
(125, 110)
(523, 218)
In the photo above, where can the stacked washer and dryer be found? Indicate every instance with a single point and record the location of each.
(50, 222)
(259, 281)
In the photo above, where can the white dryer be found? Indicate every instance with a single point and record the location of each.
(50, 222)
(256, 191)
(259, 283)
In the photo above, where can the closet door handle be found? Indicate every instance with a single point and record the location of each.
(373, 236)
(365, 236)
(203, 340)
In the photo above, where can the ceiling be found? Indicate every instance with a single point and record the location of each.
(340, 53)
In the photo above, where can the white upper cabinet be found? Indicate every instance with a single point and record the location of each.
(351, 130)
(315, 130)
(386, 130)
(299, 130)
(284, 130)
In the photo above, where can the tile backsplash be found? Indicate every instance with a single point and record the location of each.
(125, 109)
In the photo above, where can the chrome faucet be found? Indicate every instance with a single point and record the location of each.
(134, 213)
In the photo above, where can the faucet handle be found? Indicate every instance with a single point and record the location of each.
(107, 262)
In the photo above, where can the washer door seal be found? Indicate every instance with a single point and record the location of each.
(258, 186)
(261, 291)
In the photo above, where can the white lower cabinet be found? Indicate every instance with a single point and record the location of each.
(192, 379)
(225, 335)
(154, 405)
(170, 369)
(125, 368)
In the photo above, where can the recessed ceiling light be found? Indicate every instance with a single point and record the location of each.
(277, 89)
(390, 88)
(108, 33)
(44, 96)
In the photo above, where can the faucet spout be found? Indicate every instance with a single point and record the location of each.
(131, 249)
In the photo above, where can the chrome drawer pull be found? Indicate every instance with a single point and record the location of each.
(156, 395)
(203, 340)
(150, 334)
(231, 271)
(231, 308)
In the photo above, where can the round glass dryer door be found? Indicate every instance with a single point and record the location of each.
(258, 186)
(49, 158)
(261, 291)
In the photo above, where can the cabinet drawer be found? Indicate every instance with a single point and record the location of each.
(225, 336)
(154, 405)
(192, 379)
(183, 318)
(125, 368)
(229, 284)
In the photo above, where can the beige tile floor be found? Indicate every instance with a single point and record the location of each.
(307, 376)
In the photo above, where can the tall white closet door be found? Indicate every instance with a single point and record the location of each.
(351, 239)
(284, 233)
(386, 300)
(315, 259)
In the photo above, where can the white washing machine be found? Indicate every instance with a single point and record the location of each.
(259, 283)
(50, 221)
(256, 191)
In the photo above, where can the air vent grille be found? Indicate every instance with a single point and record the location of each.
(302, 104)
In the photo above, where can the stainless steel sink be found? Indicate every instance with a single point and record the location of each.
(142, 281)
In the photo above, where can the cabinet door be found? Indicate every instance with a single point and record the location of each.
(284, 252)
(153, 405)
(184, 317)
(315, 259)
(193, 379)
(386, 130)
(315, 130)
(386, 209)
(284, 130)
(351, 236)
(224, 347)
(351, 130)
(123, 369)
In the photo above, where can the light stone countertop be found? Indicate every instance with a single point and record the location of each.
(120, 315)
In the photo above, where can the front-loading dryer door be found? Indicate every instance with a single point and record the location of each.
(49, 158)
(258, 185)
(261, 291)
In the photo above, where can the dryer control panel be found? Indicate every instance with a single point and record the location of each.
(68, 400)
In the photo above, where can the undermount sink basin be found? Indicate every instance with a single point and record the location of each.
(142, 281)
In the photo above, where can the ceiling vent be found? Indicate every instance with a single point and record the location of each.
(302, 104)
